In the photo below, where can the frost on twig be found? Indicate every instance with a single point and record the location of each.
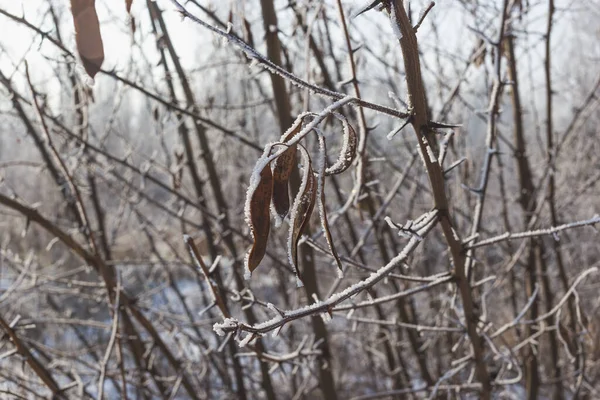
(539, 232)
(424, 224)
(371, 4)
(254, 55)
(394, 20)
(227, 325)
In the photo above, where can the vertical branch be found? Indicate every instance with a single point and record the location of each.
(425, 134)
(362, 122)
(552, 150)
(111, 342)
(280, 93)
(361, 171)
(492, 127)
(528, 204)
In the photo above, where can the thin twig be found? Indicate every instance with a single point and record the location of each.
(529, 234)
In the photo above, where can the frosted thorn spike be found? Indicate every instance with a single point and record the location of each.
(392, 224)
(471, 189)
(396, 131)
(347, 81)
(454, 165)
(370, 294)
(441, 125)
(357, 48)
(367, 7)
(372, 128)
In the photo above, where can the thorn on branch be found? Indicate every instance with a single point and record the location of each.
(444, 147)
(376, 4)
(351, 80)
(396, 131)
(555, 236)
(371, 128)
(442, 125)
(406, 230)
(273, 308)
(476, 191)
(454, 165)
(357, 48)
(494, 152)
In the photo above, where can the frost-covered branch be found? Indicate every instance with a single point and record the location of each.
(258, 58)
(203, 269)
(535, 233)
(518, 318)
(327, 306)
(564, 299)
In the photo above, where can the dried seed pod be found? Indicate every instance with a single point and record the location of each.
(321, 198)
(258, 201)
(282, 169)
(348, 151)
(301, 210)
(87, 35)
